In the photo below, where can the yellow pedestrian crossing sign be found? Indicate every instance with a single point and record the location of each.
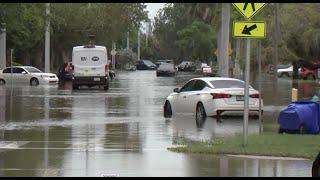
(249, 29)
(248, 10)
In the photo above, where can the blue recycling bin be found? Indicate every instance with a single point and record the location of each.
(300, 114)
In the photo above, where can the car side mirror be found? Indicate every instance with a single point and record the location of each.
(23, 72)
(176, 90)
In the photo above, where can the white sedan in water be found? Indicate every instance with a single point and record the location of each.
(210, 96)
(26, 74)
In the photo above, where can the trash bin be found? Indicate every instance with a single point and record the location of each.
(300, 115)
(316, 166)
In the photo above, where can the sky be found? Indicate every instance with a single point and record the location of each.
(153, 8)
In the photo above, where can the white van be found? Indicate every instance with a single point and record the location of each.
(90, 66)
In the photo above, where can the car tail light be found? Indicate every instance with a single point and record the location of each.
(254, 95)
(220, 95)
(107, 70)
(72, 68)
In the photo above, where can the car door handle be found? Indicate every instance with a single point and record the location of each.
(197, 94)
(184, 96)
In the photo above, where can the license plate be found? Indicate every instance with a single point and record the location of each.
(96, 79)
(239, 98)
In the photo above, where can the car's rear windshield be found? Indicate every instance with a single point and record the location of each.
(227, 84)
(166, 66)
(147, 62)
(283, 66)
(33, 70)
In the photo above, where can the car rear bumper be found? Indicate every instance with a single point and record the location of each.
(161, 73)
(93, 80)
(215, 108)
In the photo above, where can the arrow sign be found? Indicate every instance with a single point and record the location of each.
(246, 30)
(249, 29)
(248, 10)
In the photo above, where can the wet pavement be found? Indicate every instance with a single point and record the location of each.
(54, 131)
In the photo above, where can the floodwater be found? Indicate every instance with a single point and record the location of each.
(54, 131)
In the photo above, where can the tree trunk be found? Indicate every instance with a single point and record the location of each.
(25, 56)
(277, 37)
(64, 54)
(38, 57)
(237, 70)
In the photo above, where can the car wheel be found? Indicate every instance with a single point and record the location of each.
(75, 86)
(34, 82)
(167, 111)
(2, 82)
(200, 114)
(106, 87)
(287, 74)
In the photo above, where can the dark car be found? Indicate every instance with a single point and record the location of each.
(65, 72)
(187, 66)
(163, 61)
(166, 69)
(146, 65)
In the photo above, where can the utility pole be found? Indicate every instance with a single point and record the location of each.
(3, 53)
(47, 41)
(139, 44)
(225, 21)
(128, 41)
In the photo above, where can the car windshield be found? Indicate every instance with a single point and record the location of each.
(227, 84)
(33, 70)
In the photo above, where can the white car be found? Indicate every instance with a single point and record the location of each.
(26, 74)
(210, 96)
(286, 70)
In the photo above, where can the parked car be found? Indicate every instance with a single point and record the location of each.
(65, 72)
(187, 66)
(131, 68)
(27, 74)
(146, 65)
(210, 96)
(284, 70)
(163, 61)
(204, 69)
(166, 69)
(305, 73)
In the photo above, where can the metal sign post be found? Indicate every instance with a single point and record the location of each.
(246, 93)
(248, 29)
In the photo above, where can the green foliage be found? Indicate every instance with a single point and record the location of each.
(70, 25)
(267, 144)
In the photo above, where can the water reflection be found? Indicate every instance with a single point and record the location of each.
(55, 131)
(186, 127)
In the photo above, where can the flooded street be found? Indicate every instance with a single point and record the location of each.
(55, 131)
